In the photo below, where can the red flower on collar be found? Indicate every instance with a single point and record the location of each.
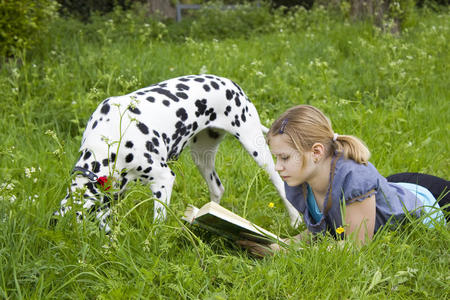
(104, 181)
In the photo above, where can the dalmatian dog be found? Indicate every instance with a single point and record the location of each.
(132, 137)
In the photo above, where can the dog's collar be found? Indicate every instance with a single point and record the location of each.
(86, 172)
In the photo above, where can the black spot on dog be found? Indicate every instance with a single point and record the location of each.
(149, 158)
(134, 110)
(199, 79)
(184, 79)
(87, 155)
(140, 93)
(105, 109)
(182, 95)
(255, 154)
(209, 111)
(218, 182)
(166, 93)
(124, 182)
(147, 170)
(150, 98)
(129, 158)
(237, 100)
(142, 127)
(201, 107)
(157, 194)
(182, 87)
(229, 95)
(214, 85)
(91, 188)
(166, 103)
(239, 88)
(113, 157)
(129, 144)
(181, 113)
(155, 142)
(213, 134)
(95, 166)
(227, 110)
(156, 133)
(105, 162)
(206, 87)
(94, 125)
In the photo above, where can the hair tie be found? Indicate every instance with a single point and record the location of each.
(335, 136)
(283, 126)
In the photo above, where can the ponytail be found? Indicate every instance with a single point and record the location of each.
(352, 148)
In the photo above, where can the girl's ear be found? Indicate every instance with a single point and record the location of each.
(318, 151)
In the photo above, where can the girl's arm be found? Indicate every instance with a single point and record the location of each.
(360, 224)
(263, 250)
(360, 219)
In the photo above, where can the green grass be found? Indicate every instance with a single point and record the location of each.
(391, 91)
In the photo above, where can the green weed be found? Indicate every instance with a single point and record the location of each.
(391, 91)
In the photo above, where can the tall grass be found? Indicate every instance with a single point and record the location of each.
(392, 91)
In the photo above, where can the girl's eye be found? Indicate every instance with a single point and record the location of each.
(284, 158)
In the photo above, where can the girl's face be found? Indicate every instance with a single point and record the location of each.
(289, 162)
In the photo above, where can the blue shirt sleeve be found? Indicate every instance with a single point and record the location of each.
(360, 182)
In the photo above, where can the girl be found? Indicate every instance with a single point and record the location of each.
(330, 181)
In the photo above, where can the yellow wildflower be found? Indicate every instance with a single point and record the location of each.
(271, 205)
(340, 230)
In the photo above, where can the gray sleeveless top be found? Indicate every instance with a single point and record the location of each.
(349, 182)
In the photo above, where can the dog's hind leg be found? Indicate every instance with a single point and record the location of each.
(203, 152)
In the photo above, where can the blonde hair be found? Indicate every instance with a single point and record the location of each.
(307, 125)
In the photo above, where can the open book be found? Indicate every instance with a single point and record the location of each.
(220, 220)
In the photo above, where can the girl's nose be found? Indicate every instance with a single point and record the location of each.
(278, 166)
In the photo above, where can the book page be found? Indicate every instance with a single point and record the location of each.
(190, 213)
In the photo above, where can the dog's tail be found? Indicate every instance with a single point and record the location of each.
(264, 129)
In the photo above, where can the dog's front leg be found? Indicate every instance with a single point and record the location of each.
(161, 188)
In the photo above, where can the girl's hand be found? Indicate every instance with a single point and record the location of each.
(259, 249)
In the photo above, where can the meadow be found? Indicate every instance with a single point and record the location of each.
(390, 90)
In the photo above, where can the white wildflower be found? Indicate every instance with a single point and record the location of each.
(203, 70)
(260, 74)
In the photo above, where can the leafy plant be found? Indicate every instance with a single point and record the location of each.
(23, 22)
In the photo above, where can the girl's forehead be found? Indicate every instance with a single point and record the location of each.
(280, 144)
